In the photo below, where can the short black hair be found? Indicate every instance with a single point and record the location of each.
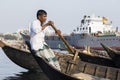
(41, 12)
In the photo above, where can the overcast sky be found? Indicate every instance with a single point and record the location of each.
(66, 14)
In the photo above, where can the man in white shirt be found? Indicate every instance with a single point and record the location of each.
(37, 33)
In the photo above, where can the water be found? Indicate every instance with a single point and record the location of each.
(11, 71)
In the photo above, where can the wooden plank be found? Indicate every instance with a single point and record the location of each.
(90, 69)
(100, 71)
(118, 76)
(111, 73)
(82, 66)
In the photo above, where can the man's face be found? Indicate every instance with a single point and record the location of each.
(42, 18)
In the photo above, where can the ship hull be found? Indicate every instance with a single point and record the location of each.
(94, 41)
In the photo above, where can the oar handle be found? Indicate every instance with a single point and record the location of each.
(63, 39)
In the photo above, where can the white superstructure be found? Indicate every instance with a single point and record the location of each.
(93, 24)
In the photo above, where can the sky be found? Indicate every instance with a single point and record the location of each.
(66, 14)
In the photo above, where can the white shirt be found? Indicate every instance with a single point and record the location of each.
(37, 35)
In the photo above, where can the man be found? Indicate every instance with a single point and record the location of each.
(38, 29)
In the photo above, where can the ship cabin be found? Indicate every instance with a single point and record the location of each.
(94, 25)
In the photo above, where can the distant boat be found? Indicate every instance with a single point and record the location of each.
(114, 54)
(92, 31)
(80, 70)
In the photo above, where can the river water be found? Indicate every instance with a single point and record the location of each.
(11, 71)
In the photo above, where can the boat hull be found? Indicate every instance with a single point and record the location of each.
(21, 58)
(83, 40)
(80, 67)
(114, 54)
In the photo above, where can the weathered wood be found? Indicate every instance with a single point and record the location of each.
(100, 71)
(82, 66)
(114, 54)
(111, 73)
(118, 75)
(71, 65)
(111, 52)
(90, 69)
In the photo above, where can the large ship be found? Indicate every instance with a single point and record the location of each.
(92, 32)
(95, 30)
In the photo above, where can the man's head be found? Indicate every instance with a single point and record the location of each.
(42, 15)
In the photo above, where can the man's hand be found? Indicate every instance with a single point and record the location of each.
(51, 23)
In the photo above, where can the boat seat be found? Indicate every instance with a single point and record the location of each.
(87, 77)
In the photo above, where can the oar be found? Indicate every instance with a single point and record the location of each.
(72, 63)
(71, 50)
(74, 52)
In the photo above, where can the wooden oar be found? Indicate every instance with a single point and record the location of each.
(71, 50)
(72, 63)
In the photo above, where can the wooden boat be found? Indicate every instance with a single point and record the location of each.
(80, 70)
(91, 58)
(24, 58)
(20, 57)
(114, 54)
